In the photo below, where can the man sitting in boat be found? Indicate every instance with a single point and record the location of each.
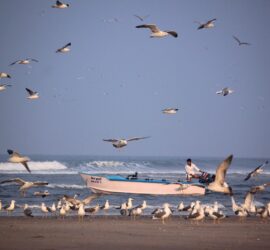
(133, 176)
(192, 170)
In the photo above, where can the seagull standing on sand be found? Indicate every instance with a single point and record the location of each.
(62, 212)
(239, 42)
(25, 185)
(225, 91)
(24, 61)
(156, 32)
(92, 210)
(81, 212)
(9, 208)
(64, 49)
(106, 206)
(180, 206)
(256, 171)
(17, 158)
(215, 215)
(32, 94)
(170, 111)
(136, 211)
(4, 75)
(208, 24)
(4, 86)
(45, 209)
(119, 143)
(60, 5)
(198, 216)
(219, 184)
(27, 211)
(123, 209)
(129, 203)
(162, 213)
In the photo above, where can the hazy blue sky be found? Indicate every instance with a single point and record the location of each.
(116, 80)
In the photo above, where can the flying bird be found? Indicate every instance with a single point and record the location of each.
(24, 61)
(32, 94)
(4, 75)
(239, 42)
(141, 18)
(225, 91)
(25, 185)
(219, 184)
(4, 86)
(17, 158)
(119, 143)
(156, 32)
(170, 111)
(64, 49)
(60, 5)
(208, 24)
(256, 171)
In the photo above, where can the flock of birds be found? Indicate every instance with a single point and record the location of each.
(196, 210)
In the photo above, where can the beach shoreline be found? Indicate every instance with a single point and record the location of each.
(101, 232)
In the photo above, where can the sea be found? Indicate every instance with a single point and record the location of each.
(62, 174)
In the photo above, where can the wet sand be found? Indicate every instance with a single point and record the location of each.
(122, 233)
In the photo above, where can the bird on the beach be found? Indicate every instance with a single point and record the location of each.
(156, 32)
(225, 91)
(60, 5)
(0, 205)
(106, 206)
(62, 212)
(219, 184)
(136, 211)
(4, 75)
(25, 185)
(76, 202)
(45, 209)
(123, 209)
(32, 94)
(142, 206)
(129, 203)
(265, 211)
(24, 61)
(196, 207)
(119, 143)
(162, 213)
(64, 49)
(198, 215)
(141, 18)
(81, 212)
(237, 209)
(92, 210)
(215, 215)
(170, 111)
(239, 42)
(42, 194)
(256, 171)
(4, 86)
(9, 208)
(27, 211)
(189, 207)
(208, 24)
(180, 206)
(259, 188)
(17, 158)
(53, 208)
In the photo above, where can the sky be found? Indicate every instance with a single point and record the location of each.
(116, 79)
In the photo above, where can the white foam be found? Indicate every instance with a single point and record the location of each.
(6, 167)
(106, 164)
(67, 186)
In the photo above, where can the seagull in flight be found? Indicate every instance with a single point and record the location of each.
(60, 5)
(170, 110)
(141, 18)
(225, 91)
(25, 185)
(4, 75)
(3, 86)
(256, 171)
(32, 94)
(119, 143)
(207, 25)
(156, 32)
(64, 49)
(17, 158)
(239, 42)
(24, 61)
(219, 184)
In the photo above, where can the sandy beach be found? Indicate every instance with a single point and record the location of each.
(122, 233)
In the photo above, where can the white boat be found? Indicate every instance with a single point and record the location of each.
(119, 184)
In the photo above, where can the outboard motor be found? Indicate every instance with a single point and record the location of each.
(206, 178)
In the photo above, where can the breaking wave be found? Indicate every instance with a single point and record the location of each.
(35, 166)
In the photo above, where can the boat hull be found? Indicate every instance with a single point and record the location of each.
(101, 184)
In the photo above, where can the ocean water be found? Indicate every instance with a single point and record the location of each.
(62, 174)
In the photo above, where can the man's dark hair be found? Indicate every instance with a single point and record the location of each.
(188, 160)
